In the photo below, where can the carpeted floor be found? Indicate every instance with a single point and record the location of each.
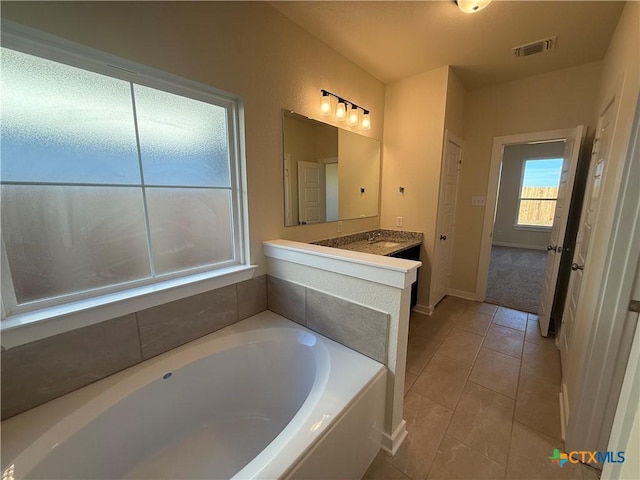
(515, 278)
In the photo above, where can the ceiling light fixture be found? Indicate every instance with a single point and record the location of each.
(472, 6)
(355, 115)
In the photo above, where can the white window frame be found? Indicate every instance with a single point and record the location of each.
(24, 323)
(524, 226)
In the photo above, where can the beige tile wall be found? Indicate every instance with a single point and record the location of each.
(40, 371)
(360, 328)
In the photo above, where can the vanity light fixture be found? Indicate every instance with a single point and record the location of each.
(341, 111)
(325, 104)
(355, 115)
(472, 6)
(365, 122)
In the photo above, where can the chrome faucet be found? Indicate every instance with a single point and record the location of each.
(371, 237)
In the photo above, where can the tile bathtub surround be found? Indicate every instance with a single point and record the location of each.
(287, 299)
(173, 324)
(360, 328)
(40, 371)
(252, 296)
(503, 416)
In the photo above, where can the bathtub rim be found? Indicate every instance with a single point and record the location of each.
(37, 427)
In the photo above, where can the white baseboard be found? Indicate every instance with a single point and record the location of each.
(423, 309)
(519, 245)
(564, 411)
(391, 444)
(462, 294)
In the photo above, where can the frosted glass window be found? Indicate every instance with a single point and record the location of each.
(62, 240)
(107, 184)
(189, 227)
(64, 124)
(182, 141)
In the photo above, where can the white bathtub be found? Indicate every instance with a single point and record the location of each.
(264, 398)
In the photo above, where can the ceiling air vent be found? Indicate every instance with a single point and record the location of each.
(534, 47)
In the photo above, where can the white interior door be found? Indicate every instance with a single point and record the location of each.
(555, 248)
(452, 161)
(598, 343)
(311, 192)
(588, 215)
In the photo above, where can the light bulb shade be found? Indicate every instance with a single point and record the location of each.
(353, 117)
(365, 122)
(325, 105)
(472, 6)
(341, 111)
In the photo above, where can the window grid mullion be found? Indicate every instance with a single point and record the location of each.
(104, 184)
(539, 199)
(152, 268)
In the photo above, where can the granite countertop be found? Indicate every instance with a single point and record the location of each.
(389, 242)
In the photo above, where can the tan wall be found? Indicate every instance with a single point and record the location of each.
(306, 142)
(300, 143)
(327, 143)
(454, 110)
(513, 160)
(359, 166)
(556, 100)
(621, 77)
(412, 151)
(247, 48)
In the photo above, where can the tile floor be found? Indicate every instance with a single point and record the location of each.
(481, 399)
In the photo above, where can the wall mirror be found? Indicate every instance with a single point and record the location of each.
(329, 173)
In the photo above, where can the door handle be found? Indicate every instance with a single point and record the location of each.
(575, 266)
(551, 247)
(443, 237)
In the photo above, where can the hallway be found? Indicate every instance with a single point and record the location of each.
(481, 399)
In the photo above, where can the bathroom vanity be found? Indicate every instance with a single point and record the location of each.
(390, 243)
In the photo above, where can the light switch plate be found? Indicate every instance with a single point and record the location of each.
(398, 221)
(478, 201)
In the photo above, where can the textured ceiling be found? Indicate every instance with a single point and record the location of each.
(393, 40)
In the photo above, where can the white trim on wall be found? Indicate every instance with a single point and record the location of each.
(423, 309)
(492, 195)
(463, 294)
(518, 245)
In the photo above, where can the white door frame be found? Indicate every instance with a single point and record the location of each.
(499, 143)
(572, 152)
(453, 138)
(610, 334)
(625, 432)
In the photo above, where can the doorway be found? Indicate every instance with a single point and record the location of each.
(445, 226)
(530, 175)
(572, 139)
